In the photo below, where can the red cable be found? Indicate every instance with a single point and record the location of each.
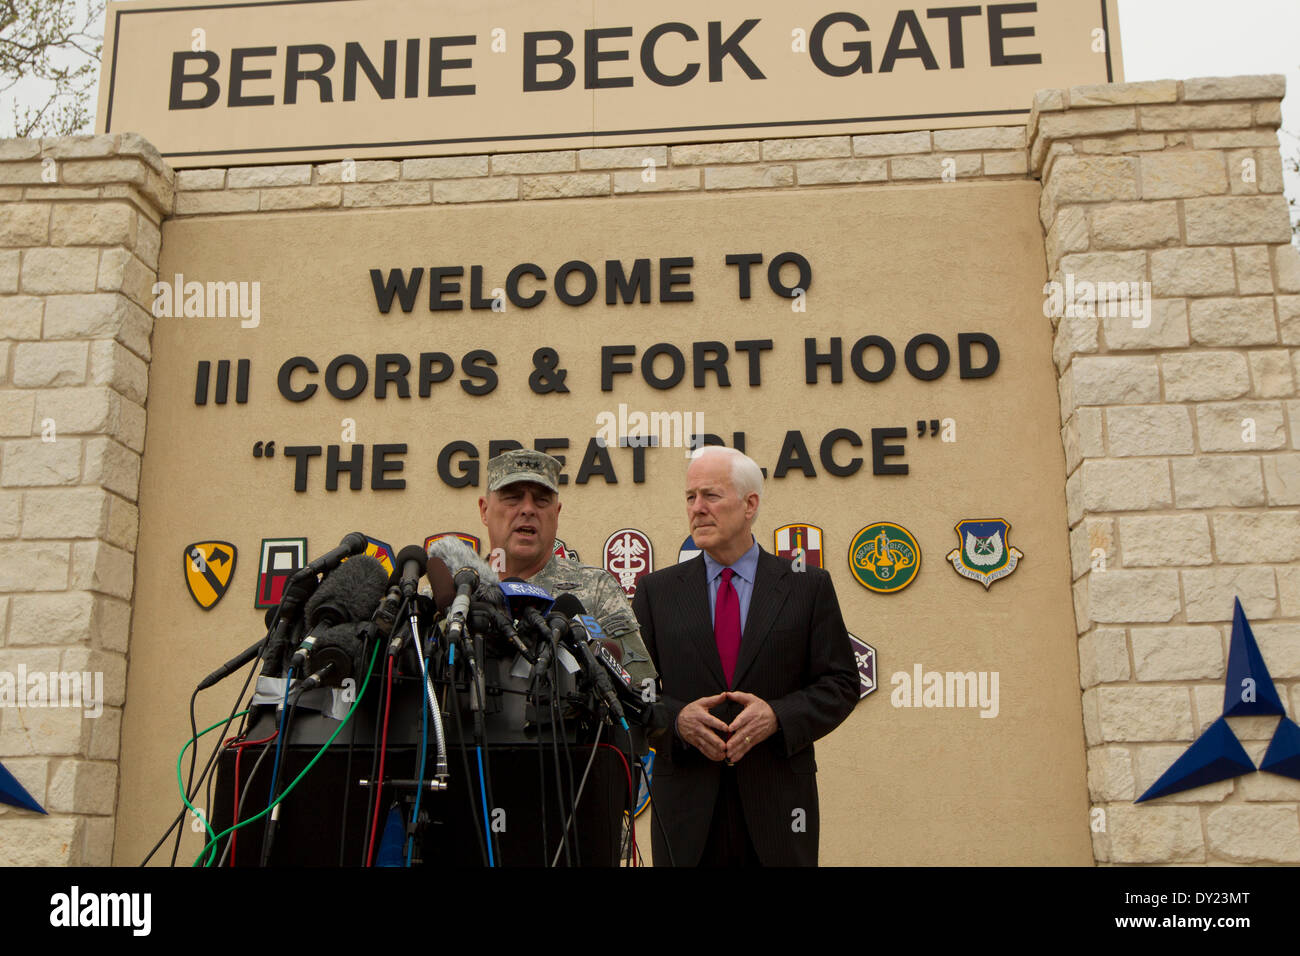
(383, 752)
(239, 753)
(631, 817)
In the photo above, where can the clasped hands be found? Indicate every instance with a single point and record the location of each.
(718, 740)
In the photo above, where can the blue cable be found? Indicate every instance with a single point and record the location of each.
(279, 737)
(487, 823)
(419, 790)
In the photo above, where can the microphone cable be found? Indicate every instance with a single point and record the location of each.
(209, 848)
(347, 772)
(573, 811)
(378, 788)
(281, 752)
(419, 776)
(237, 800)
(631, 819)
(464, 760)
(180, 758)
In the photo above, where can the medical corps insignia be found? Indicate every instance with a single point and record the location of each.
(800, 541)
(629, 557)
(884, 557)
(281, 557)
(208, 567)
(983, 553)
(865, 655)
(470, 541)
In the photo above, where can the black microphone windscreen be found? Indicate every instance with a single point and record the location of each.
(569, 605)
(412, 552)
(350, 592)
(444, 588)
(341, 647)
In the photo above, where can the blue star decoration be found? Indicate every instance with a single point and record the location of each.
(1248, 692)
(13, 793)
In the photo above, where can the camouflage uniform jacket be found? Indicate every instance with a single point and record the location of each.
(606, 602)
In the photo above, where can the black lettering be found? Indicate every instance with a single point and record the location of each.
(620, 285)
(812, 359)
(596, 462)
(594, 56)
(355, 56)
(437, 64)
(817, 46)
(211, 89)
(302, 456)
(201, 382)
(392, 367)
(651, 68)
(638, 464)
(475, 365)
(941, 351)
(744, 261)
(438, 288)
(710, 357)
(880, 451)
(428, 377)
(889, 358)
(668, 278)
(609, 368)
(533, 58)
(468, 468)
(238, 74)
(361, 376)
(412, 68)
(794, 454)
(380, 466)
(774, 274)
(294, 74)
(920, 51)
(754, 348)
(954, 16)
(675, 357)
(396, 284)
(561, 282)
(991, 354)
(512, 285)
(720, 49)
(999, 33)
(828, 452)
(476, 300)
(499, 446)
(284, 380)
(354, 466)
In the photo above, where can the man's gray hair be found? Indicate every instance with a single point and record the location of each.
(746, 476)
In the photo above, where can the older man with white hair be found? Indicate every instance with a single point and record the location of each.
(755, 664)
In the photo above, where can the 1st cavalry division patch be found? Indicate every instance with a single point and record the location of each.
(983, 553)
(884, 557)
(209, 566)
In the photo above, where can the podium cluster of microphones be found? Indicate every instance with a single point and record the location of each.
(437, 715)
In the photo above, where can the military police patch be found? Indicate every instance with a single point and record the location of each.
(209, 566)
(884, 557)
(983, 553)
(281, 557)
(800, 544)
(629, 557)
(865, 655)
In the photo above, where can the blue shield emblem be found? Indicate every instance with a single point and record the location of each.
(983, 553)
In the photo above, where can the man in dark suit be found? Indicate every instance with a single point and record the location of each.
(755, 664)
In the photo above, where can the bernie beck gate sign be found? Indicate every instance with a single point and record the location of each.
(303, 80)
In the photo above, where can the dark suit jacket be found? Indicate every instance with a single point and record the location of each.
(795, 654)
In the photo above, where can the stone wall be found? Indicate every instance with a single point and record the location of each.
(79, 239)
(1180, 440)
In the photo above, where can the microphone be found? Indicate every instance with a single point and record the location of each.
(352, 544)
(440, 581)
(497, 601)
(581, 626)
(349, 594)
(469, 568)
(299, 589)
(408, 569)
(336, 658)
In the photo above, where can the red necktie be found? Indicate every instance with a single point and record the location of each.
(726, 624)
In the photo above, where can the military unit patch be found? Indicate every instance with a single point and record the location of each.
(629, 557)
(382, 552)
(688, 550)
(983, 554)
(800, 544)
(865, 655)
(470, 541)
(209, 566)
(884, 557)
(562, 550)
(281, 558)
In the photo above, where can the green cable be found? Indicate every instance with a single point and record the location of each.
(210, 848)
(181, 757)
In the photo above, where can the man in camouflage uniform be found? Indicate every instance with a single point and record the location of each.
(522, 513)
